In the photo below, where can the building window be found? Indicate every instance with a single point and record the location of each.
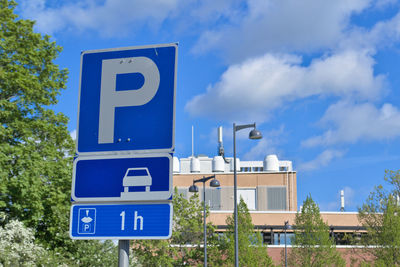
(246, 169)
(213, 198)
(279, 238)
(249, 197)
(276, 198)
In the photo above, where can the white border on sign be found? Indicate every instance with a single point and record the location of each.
(121, 237)
(142, 196)
(166, 150)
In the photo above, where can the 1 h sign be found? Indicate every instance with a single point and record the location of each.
(127, 100)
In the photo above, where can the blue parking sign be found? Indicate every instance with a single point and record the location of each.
(121, 221)
(134, 177)
(127, 100)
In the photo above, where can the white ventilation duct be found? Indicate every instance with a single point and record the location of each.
(194, 165)
(271, 163)
(175, 165)
(218, 164)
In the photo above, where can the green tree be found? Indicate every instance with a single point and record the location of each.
(311, 244)
(18, 248)
(185, 246)
(380, 215)
(35, 167)
(252, 251)
(35, 145)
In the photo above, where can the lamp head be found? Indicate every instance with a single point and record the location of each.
(193, 188)
(214, 183)
(255, 134)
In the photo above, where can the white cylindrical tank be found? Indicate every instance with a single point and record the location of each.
(271, 163)
(194, 165)
(237, 165)
(218, 164)
(175, 165)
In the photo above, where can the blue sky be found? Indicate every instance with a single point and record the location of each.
(320, 78)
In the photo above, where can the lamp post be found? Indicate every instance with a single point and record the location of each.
(193, 188)
(287, 226)
(254, 134)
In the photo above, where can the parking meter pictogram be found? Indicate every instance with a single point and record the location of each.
(87, 221)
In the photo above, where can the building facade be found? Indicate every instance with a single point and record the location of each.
(268, 187)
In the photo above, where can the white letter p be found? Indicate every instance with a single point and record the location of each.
(110, 98)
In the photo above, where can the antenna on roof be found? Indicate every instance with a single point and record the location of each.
(220, 145)
(192, 141)
(221, 151)
(341, 200)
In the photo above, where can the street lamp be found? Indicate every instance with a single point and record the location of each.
(254, 134)
(287, 226)
(193, 188)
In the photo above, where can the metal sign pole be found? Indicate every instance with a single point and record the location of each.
(123, 253)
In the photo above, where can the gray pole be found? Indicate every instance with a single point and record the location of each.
(193, 188)
(254, 134)
(205, 225)
(235, 198)
(285, 248)
(123, 253)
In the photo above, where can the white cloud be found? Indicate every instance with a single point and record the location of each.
(383, 34)
(262, 148)
(267, 145)
(384, 3)
(349, 123)
(386, 32)
(252, 89)
(118, 18)
(210, 10)
(73, 134)
(321, 160)
(237, 28)
(282, 26)
(108, 18)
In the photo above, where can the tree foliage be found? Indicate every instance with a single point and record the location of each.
(34, 141)
(311, 244)
(252, 252)
(35, 145)
(185, 246)
(380, 215)
(17, 247)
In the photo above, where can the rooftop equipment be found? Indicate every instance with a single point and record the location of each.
(341, 200)
(221, 151)
(218, 164)
(271, 163)
(176, 165)
(194, 164)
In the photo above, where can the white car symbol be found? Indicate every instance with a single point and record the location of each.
(137, 177)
